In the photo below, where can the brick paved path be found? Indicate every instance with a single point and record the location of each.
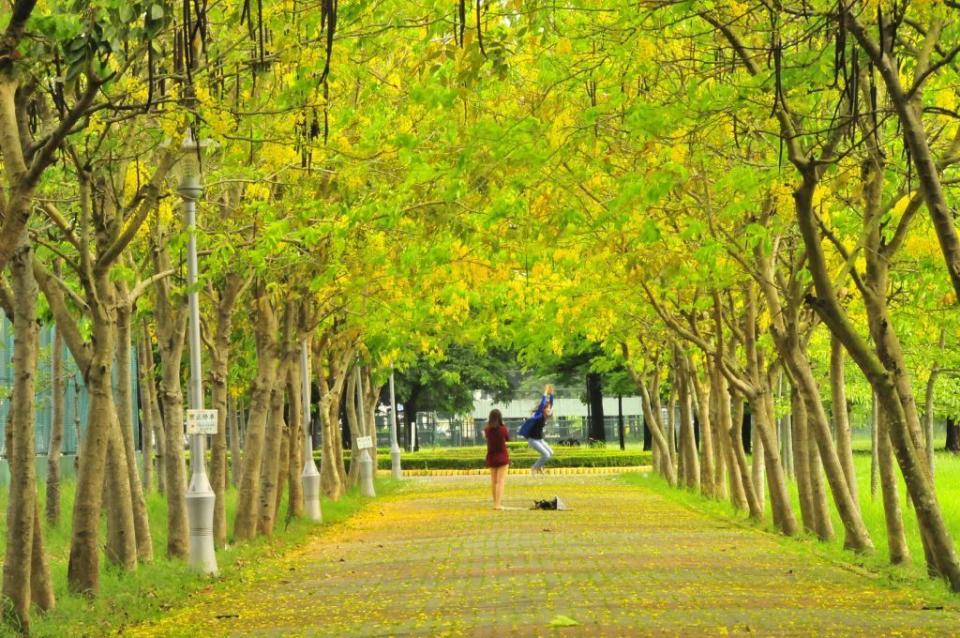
(433, 560)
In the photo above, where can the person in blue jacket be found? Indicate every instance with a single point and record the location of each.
(532, 429)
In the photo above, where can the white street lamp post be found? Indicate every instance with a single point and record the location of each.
(366, 464)
(395, 467)
(200, 496)
(310, 477)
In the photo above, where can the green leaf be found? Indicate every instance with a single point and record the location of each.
(563, 621)
(649, 232)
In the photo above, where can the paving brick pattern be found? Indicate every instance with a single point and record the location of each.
(434, 560)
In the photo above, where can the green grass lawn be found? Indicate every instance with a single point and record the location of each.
(948, 492)
(152, 590)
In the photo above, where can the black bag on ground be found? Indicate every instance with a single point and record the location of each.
(556, 503)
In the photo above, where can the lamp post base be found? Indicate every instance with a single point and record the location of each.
(310, 478)
(366, 475)
(203, 556)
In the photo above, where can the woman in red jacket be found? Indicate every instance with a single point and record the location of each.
(498, 459)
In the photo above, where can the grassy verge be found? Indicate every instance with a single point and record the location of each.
(129, 598)
(473, 457)
(876, 563)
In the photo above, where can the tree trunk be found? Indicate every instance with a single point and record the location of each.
(218, 452)
(786, 445)
(896, 540)
(800, 464)
(171, 323)
(906, 426)
(102, 433)
(245, 523)
(741, 420)
(333, 480)
(595, 397)
(783, 433)
(754, 499)
(121, 525)
(936, 538)
(672, 424)
(146, 418)
(41, 585)
(56, 431)
(928, 419)
(874, 447)
(815, 436)
(219, 351)
(651, 415)
(272, 451)
(331, 380)
(371, 398)
(95, 364)
(78, 435)
(283, 467)
(276, 451)
(173, 333)
(24, 538)
(731, 441)
(149, 389)
(708, 462)
(928, 410)
(125, 410)
(756, 460)
(233, 427)
(719, 454)
(824, 526)
(953, 436)
(121, 546)
(688, 445)
(841, 419)
(353, 423)
(738, 497)
(763, 422)
(295, 463)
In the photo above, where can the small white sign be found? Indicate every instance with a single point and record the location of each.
(364, 442)
(201, 421)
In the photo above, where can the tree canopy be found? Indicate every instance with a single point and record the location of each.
(721, 198)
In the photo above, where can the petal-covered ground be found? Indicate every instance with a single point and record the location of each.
(435, 560)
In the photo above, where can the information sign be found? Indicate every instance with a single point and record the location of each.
(201, 421)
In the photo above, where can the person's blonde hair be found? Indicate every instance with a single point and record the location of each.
(548, 389)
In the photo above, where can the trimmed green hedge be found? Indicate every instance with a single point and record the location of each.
(469, 458)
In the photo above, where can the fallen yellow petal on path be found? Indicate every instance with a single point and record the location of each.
(435, 559)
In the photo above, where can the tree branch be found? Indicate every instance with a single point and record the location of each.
(53, 291)
(6, 298)
(143, 202)
(142, 287)
(54, 215)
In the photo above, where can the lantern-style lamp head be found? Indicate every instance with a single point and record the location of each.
(190, 187)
